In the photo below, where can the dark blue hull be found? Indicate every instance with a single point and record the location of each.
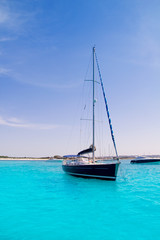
(102, 171)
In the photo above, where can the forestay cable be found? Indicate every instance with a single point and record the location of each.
(107, 110)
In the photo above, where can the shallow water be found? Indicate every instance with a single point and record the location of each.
(39, 201)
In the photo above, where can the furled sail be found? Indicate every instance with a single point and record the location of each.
(107, 110)
(88, 150)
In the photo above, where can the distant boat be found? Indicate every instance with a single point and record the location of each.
(80, 166)
(145, 160)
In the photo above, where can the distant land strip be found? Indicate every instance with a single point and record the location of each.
(58, 157)
(30, 158)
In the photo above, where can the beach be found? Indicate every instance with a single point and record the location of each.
(24, 159)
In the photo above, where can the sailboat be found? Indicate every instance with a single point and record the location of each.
(91, 167)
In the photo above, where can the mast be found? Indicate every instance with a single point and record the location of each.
(93, 107)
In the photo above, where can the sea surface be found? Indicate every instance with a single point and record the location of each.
(39, 201)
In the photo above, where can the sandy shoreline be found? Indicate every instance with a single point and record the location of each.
(25, 159)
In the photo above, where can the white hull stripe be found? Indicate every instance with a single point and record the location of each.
(95, 176)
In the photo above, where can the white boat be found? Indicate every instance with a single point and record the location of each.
(145, 159)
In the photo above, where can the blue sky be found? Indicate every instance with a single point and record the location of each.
(45, 47)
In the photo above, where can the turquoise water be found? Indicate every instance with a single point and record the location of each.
(39, 201)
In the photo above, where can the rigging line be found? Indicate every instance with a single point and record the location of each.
(89, 63)
(83, 100)
(86, 93)
(98, 126)
(88, 114)
(84, 112)
(107, 110)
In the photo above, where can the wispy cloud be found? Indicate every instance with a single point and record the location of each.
(18, 123)
(4, 71)
(13, 16)
(54, 86)
(52, 83)
(145, 42)
(6, 39)
(4, 13)
(8, 17)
